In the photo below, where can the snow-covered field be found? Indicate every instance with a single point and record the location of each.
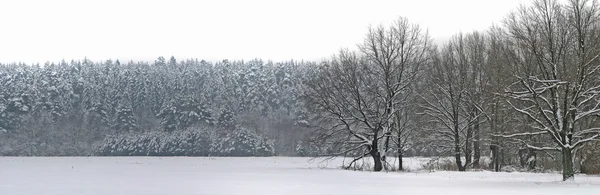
(273, 175)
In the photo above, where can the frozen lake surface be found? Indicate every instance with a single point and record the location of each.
(272, 175)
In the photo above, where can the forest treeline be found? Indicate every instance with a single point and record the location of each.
(69, 107)
(524, 93)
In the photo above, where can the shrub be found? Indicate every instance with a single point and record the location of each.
(242, 142)
(184, 143)
(238, 142)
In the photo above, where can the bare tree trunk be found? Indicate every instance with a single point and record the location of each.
(501, 144)
(374, 152)
(495, 145)
(400, 153)
(502, 156)
(567, 162)
(531, 159)
(457, 152)
(522, 157)
(468, 144)
(377, 160)
(476, 146)
(495, 157)
(386, 149)
(400, 165)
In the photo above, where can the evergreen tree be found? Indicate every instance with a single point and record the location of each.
(15, 97)
(125, 122)
(172, 62)
(226, 119)
(182, 113)
(168, 115)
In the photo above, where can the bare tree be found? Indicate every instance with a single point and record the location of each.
(476, 57)
(364, 96)
(350, 121)
(497, 112)
(405, 125)
(555, 63)
(398, 53)
(446, 100)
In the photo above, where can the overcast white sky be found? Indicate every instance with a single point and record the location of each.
(41, 30)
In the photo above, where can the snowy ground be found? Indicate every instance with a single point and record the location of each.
(276, 175)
